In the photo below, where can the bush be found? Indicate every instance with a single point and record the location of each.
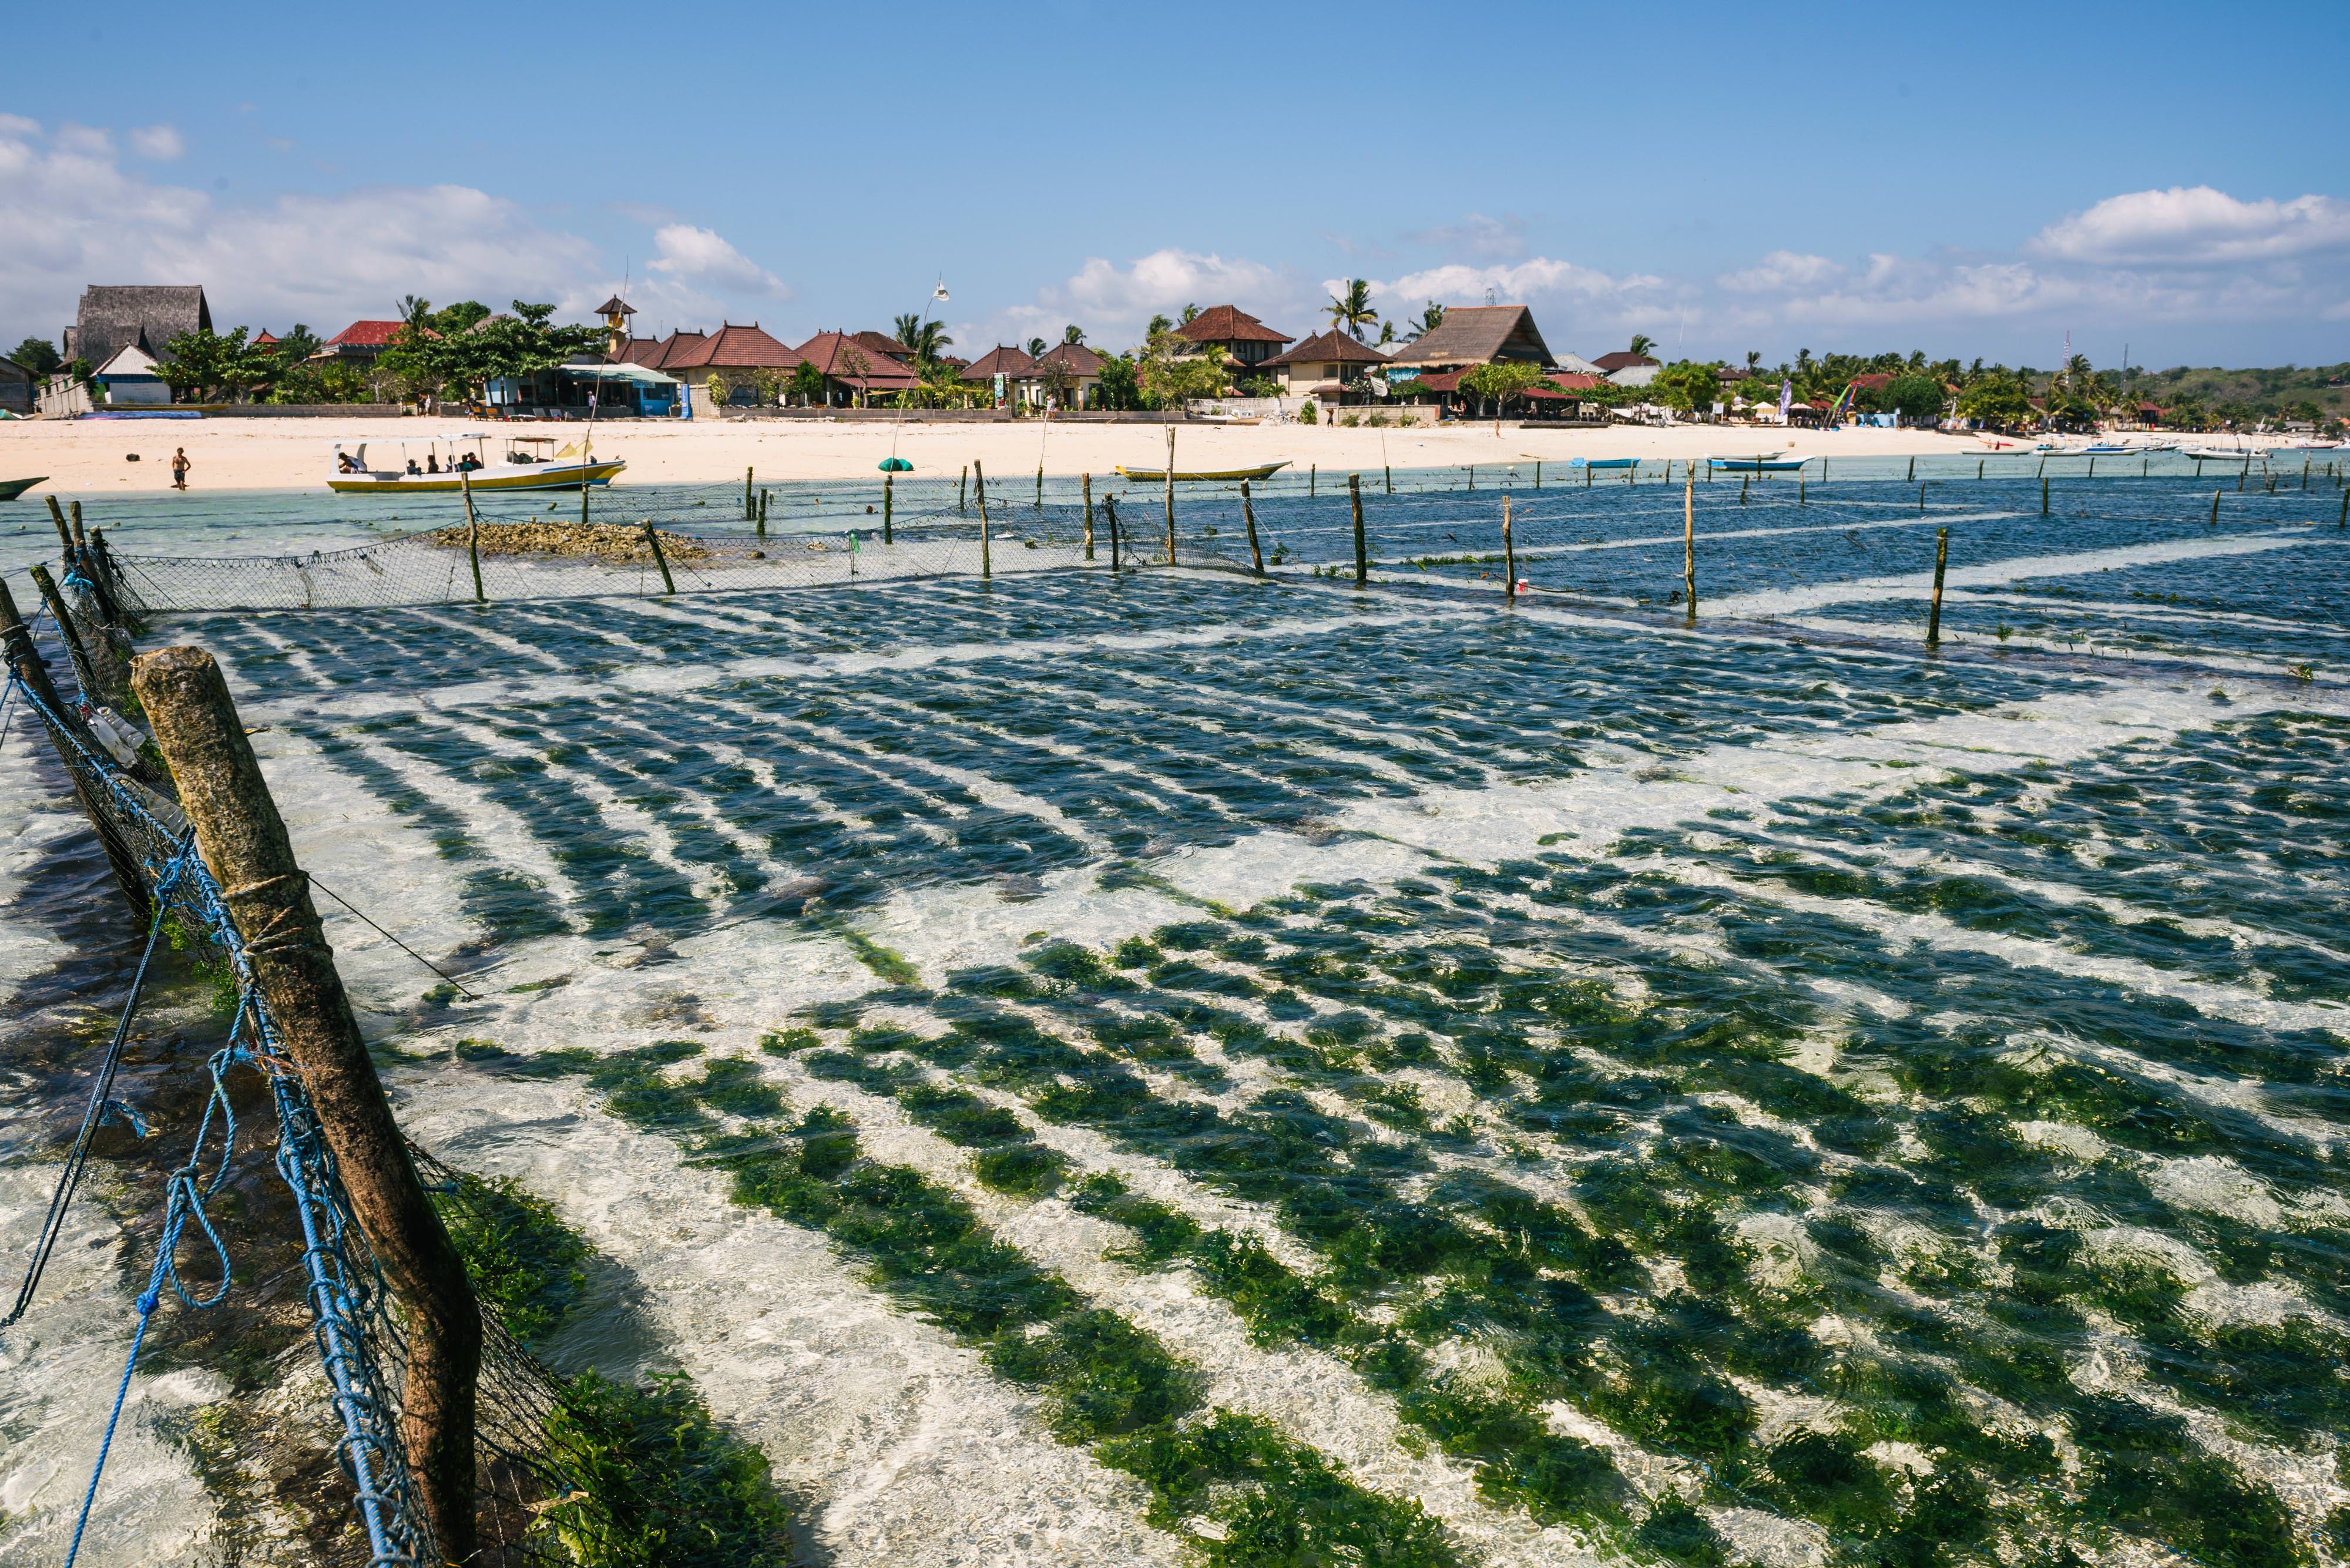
(1306, 416)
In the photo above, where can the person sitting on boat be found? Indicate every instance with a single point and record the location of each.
(431, 462)
(413, 468)
(344, 461)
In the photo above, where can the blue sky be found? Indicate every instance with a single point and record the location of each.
(1722, 178)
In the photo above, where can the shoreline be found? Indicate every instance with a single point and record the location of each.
(89, 457)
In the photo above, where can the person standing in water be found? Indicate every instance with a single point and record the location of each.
(180, 466)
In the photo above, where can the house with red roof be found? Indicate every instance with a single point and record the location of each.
(1236, 334)
(1329, 366)
(362, 340)
(855, 372)
(1013, 364)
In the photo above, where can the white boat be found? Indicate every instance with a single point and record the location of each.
(455, 460)
(2220, 453)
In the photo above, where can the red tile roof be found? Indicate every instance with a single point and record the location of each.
(1873, 380)
(1331, 346)
(730, 347)
(1012, 363)
(1437, 381)
(1576, 382)
(1228, 324)
(365, 335)
(1076, 358)
(845, 359)
(1620, 359)
(881, 343)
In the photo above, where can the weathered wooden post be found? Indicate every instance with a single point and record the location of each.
(1922, 495)
(2215, 509)
(473, 534)
(1087, 480)
(1587, 476)
(1110, 508)
(1170, 495)
(748, 514)
(1473, 476)
(889, 506)
(1537, 474)
(959, 483)
(1688, 541)
(1979, 468)
(244, 845)
(2043, 496)
(763, 514)
(25, 660)
(1389, 470)
(669, 584)
(94, 685)
(64, 535)
(2343, 521)
(1800, 486)
(1509, 556)
(1362, 546)
(1934, 606)
(1912, 476)
(1743, 480)
(1312, 472)
(1040, 484)
(1248, 517)
(986, 564)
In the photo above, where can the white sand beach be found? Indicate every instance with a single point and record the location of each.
(87, 457)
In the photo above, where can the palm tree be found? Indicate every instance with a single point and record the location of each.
(1158, 324)
(1352, 310)
(1430, 318)
(1753, 361)
(926, 338)
(1642, 343)
(1073, 334)
(1387, 333)
(1036, 348)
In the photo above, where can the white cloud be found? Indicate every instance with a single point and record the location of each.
(700, 259)
(1113, 302)
(1521, 283)
(162, 143)
(2197, 226)
(76, 217)
(1779, 271)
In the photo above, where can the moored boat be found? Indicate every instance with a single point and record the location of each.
(1602, 462)
(526, 464)
(10, 489)
(1761, 462)
(1189, 476)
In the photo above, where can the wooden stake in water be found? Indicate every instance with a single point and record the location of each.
(95, 687)
(1473, 476)
(1922, 495)
(1587, 476)
(1743, 480)
(747, 514)
(889, 506)
(25, 661)
(1311, 474)
(1688, 541)
(979, 489)
(472, 535)
(2344, 520)
(243, 842)
(1799, 490)
(669, 584)
(1979, 468)
(1109, 509)
(1537, 475)
(1248, 517)
(1389, 468)
(960, 484)
(1913, 473)
(1087, 481)
(1040, 486)
(1170, 495)
(1362, 546)
(2215, 509)
(1509, 556)
(2044, 496)
(763, 515)
(65, 533)
(1934, 605)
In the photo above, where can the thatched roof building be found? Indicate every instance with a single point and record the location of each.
(1477, 335)
(114, 317)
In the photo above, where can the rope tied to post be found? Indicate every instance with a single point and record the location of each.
(271, 923)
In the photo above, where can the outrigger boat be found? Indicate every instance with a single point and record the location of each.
(1761, 462)
(1190, 475)
(2222, 454)
(452, 460)
(12, 488)
(1603, 462)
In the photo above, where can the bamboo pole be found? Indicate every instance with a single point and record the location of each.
(1509, 556)
(1934, 606)
(888, 506)
(1087, 480)
(25, 660)
(986, 561)
(669, 584)
(1170, 495)
(472, 535)
(1248, 516)
(1922, 495)
(243, 844)
(1389, 468)
(1362, 546)
(1688, 541)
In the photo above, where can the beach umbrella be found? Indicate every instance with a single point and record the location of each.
(896, 466)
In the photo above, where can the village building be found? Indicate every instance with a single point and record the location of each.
(1329, 366)
(883, 344)
(131, 377)
(15, 388)
(736, 356)
(616, 311)
(364, 341)
(146, 316)
(856, 373)
(1474, 335)
(1013, 364)
(1229, 330)
(1627, 368)
(1068, 373)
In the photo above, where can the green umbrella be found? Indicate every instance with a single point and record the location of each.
(896, 466)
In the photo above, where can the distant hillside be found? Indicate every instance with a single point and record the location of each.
(2271, 393)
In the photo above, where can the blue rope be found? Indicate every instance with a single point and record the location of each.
(101, 1107)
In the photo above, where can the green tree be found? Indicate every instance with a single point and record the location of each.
(1072, 335)
(1432, 317)
(1642, 343)
(1350, 308)
(1496, 385)
(1995, 400)
(1168, 375)
(1916, 397)
(926, 338)
(806, 384)
(1191, 314)
(1035, 346)
(1687, 387)
(451, 319)
(208, 362)
(37, 355)
(1117, 388)
(1159, 324)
